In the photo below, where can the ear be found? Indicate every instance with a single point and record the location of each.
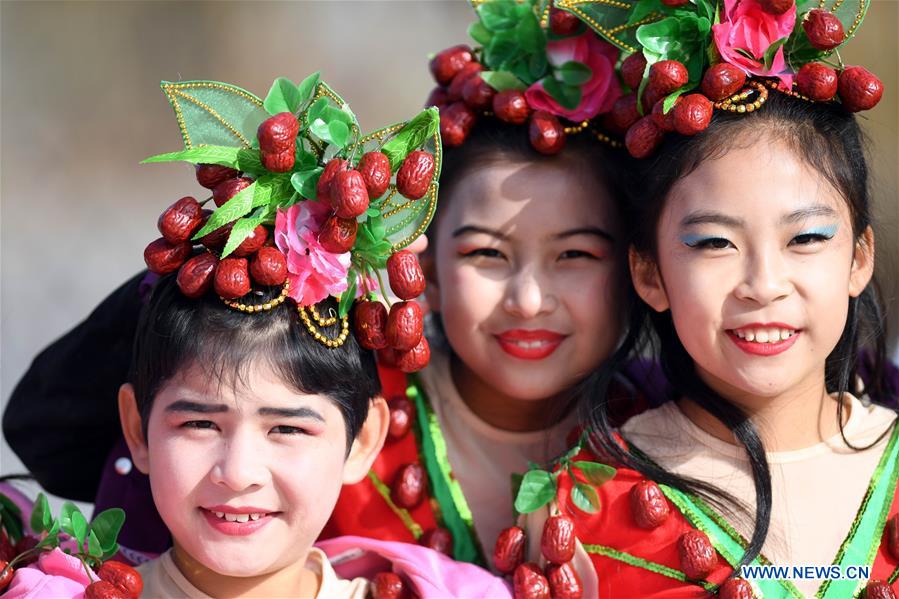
(647, 280)
(368, 442)
(133, 429)
(862, 263)
(432, 289)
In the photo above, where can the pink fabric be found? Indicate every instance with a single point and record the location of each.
(314, 273)
(746, 26)
(54, 575)
(432, 574)
(599, 93)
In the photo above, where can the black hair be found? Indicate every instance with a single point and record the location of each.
(829, 140)
(176, 332)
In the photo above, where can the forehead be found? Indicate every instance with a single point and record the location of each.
(530, 197)
(258, 386)
(759, 183)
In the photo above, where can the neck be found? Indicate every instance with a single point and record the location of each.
(796, 419)
(500, 410)
(295, 580)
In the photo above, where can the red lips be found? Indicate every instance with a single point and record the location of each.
(534, 344)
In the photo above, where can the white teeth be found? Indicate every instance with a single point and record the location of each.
(238, 517)
(772, 335)
(219, 514)
(255, 516)
(231, 517)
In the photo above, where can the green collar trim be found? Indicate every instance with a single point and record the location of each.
(444, 487)
(639, 562)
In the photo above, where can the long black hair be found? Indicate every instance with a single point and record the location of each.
(175, 332)
(828, 139)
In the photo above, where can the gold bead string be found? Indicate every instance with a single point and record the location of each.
(614, 143)
(264, 307)
(323, 322)
(324, 340)
(738, 102)
(576, 128)
(773, 85)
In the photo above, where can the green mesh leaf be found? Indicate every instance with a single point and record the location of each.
(213, 113)
(611, 20)
(413, 134)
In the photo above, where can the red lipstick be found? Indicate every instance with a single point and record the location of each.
(534, 344)
(764, 349)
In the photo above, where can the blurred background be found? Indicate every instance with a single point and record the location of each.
(80, 106)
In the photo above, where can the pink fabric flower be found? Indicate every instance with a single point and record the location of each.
(54, 575)
(745, 26)
(314, 273)
(598, 94)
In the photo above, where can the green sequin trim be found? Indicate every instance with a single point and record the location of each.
(403, 514)
(445, 489)
(639, 562)
(860, 545)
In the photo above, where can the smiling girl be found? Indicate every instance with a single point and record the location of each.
(753, 257)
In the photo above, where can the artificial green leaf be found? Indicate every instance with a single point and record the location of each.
(230, 211)
(530, 35)
(233, 122)
(282, 97)
(249, 161)
(107, 525)
(93, 545)
(306, 88)
(338, 132)
(537, 489)
(537, 65)
(706, 8)
(585, 498)
(503, 80)
(348, 296)
(768, 58)
(41, 517)
(595, 472)
(498, 15)
(515, 480)
(568, 96)
(305, 160)
(575, 73)
(242, 229)
(11, 517)
(317, 110)
(414, 134)
(110, 552)
(671, 98)
(372, 211)
(500, 50)
(745, 53)
(643, 9)
(65, 518)
(79, 527)
(224, 155)
(305, 182)
(479, 33)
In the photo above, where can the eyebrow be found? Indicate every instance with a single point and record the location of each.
(183, 405)
(468, 229)
(586, 231)
(702, 217)
(804, 213)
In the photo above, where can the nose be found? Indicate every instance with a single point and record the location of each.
(528, 294)
(241, 464)
(765, 279)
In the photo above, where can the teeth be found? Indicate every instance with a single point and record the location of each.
(767, 335)
(255, 516)
(219, 514)
(238, 517)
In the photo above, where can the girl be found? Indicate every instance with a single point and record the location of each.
(526, 271)
(753, 258)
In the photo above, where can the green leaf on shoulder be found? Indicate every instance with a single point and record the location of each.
(223, 155)
(538, 488)
(107, 525)
(93, 546)
(79, 527)
(282, 97)
(585, 498)
(595, 472)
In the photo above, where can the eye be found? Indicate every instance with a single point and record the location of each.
(483, 253)
(707, 243)
(199, 424)
(809, 238)
(573, 254)
(283, 429)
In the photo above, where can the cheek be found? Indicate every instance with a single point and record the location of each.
(460, 284)
(321, 461)
(593, 298)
